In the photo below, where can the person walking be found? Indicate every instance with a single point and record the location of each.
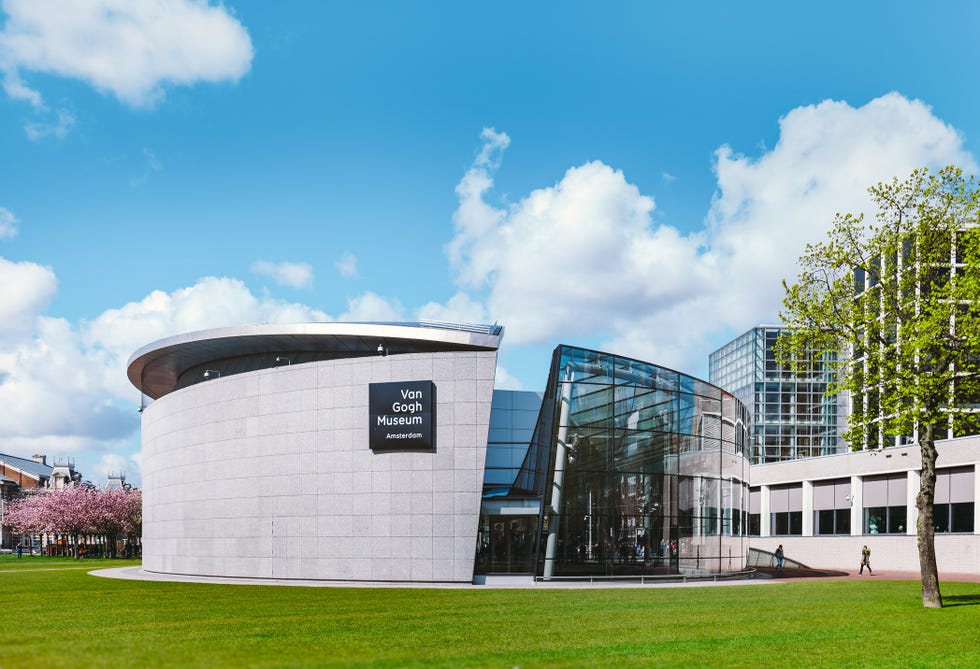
(866, 560)
(779, 559)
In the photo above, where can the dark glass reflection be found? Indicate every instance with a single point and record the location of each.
(638, 470)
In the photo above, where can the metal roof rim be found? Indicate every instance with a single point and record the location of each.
(238, 337)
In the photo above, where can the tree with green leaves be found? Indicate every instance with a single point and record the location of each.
(900, 298)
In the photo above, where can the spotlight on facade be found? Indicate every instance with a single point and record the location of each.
(280, 359)
(382, 349)
(211, 374)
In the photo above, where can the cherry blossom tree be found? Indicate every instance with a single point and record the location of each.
(76, 512)
(25, 515)
(112, 512)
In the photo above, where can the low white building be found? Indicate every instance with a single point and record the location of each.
(824, 510)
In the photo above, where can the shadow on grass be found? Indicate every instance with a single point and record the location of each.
(961, 600)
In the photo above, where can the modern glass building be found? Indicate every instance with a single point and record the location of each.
(792, 415)
(382, 452)
(359, 452)
(633, 469)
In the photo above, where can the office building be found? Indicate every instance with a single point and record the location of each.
(791, 414)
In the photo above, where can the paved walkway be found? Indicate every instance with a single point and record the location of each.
(889, 575)
(137, 573)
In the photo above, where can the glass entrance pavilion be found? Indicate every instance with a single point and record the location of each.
(633, 470)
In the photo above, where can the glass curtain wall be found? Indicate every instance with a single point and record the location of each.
(640, 470)
(792, 414)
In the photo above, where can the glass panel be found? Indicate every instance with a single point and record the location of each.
(823, 522)
(633, 480)
(961, 516)
(506, 544)
(896, 519)
(874, 519)
(940, 518)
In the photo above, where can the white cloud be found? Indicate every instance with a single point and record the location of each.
(59, 127)
(17, 90)
(461, 308)
(8, 224)
(27, 290)
(114, 464)
(64, 388)
(504, 380)
(372, 308)
(493, 145)
(767, 209)
(52, 387)
(292, 274)
(585, 257)
(347, 265)
(211, 302)
(129, 48)
(570, 257)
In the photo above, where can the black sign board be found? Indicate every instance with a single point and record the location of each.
(402, 416)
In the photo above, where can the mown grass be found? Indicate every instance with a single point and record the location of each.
(54, 614)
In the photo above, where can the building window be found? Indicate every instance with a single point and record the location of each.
(885, 504)
(787, 523)
(832, 507)
(786, 509)
(953, 510)
(755, 512)
(885, 519)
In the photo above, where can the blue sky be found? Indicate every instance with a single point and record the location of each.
(629, 176)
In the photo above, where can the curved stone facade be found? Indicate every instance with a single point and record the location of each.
(268, 473)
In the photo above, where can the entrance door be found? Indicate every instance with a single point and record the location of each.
(510, 544)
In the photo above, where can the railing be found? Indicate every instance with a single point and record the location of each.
(477, 328)
(655, 578)
(761, 558)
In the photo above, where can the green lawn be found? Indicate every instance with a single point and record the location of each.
(55, 615)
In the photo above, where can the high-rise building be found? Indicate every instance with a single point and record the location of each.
(929, 273)
(792, 416)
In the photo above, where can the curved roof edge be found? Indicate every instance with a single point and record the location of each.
(155, 368)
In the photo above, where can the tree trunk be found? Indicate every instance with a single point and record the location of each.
(925, 528)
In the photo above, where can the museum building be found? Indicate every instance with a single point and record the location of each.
(382, 452)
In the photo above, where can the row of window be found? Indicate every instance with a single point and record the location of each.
(948, 518)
